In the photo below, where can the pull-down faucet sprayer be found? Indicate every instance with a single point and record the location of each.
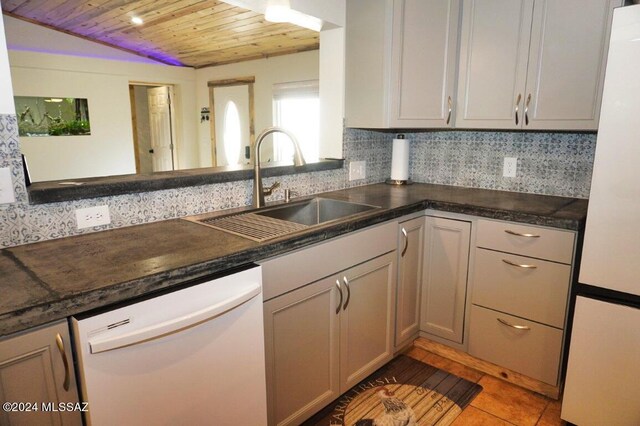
(298, 160)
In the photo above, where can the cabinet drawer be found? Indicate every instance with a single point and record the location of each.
(543, 243)
(534, 352)
(293, 270)
(538, 293)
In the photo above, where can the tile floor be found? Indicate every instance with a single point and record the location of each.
(499, 403)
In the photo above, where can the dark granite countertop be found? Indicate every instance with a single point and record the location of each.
(78, 189)
(55, 279)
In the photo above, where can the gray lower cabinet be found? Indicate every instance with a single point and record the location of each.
(366, 320)
(36, 369)
(444, 285)
(302, 340)
(410, 260)
(323, 338)
(521, 286)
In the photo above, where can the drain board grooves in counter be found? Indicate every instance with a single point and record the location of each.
(255, 227)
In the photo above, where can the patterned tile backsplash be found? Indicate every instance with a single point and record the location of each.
(548, 163)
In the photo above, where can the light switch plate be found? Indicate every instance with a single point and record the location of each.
(92, 216)
(510, 166)
(357, 170)
(6, 186)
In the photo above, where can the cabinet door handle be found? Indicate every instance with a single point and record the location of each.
(406, 242)
(340, 302)
(346, 284)
(65, 362)
(450, 103)
(526, 111)
(517, 327)
(518, 234)
(518, 107)
(508, 262)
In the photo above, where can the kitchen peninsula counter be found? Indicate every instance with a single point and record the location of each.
(54, 279)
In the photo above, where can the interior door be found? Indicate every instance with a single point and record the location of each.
(232, 124)
(161, 128)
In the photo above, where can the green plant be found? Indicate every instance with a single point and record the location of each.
(75, 127)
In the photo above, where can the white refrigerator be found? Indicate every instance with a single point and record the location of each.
(602, 385)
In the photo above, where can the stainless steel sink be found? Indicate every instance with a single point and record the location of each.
(316, 211)
(272, 222)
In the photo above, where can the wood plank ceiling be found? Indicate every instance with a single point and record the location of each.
(195, 33)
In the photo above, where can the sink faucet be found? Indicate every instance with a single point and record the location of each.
(258, 190)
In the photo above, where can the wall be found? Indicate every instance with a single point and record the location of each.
(332, 68)
(548, 163)
(277, 69)
(111, 139)
(6, 91)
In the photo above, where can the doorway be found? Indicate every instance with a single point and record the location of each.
(231, 104)
(154, 127)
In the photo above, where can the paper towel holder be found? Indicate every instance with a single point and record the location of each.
(398, 182)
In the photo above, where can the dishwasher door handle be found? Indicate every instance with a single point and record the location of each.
(154, 331)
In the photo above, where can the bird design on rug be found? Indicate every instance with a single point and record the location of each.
(396, 412)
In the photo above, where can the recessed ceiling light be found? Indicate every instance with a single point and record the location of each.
(137, 20)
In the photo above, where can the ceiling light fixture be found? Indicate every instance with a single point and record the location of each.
(280, 11)
(137, 20)
(277, 11)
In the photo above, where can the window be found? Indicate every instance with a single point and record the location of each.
(232, 133)
(296, 107)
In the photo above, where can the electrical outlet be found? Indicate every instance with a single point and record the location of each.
(6, 186)
(357, 170)
(92, 216)
(510, 166)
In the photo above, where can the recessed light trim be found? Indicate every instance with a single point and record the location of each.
(137, 20)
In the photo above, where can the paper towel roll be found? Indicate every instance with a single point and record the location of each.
(400, 160)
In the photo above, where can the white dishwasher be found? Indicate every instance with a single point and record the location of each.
(192, 356)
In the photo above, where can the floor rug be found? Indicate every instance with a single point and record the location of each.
(404, 392)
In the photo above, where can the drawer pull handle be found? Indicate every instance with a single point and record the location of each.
(518, 107)
(517, 327)
(346, 284)
(340, 302)
(450, 103)
(508, 262)
(518, 234)
(65, 362)
(406, 242)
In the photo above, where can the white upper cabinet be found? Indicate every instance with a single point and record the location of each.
(423, 66)
(494, 47)
(533, 64)
(567, 58)
(401, 63)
